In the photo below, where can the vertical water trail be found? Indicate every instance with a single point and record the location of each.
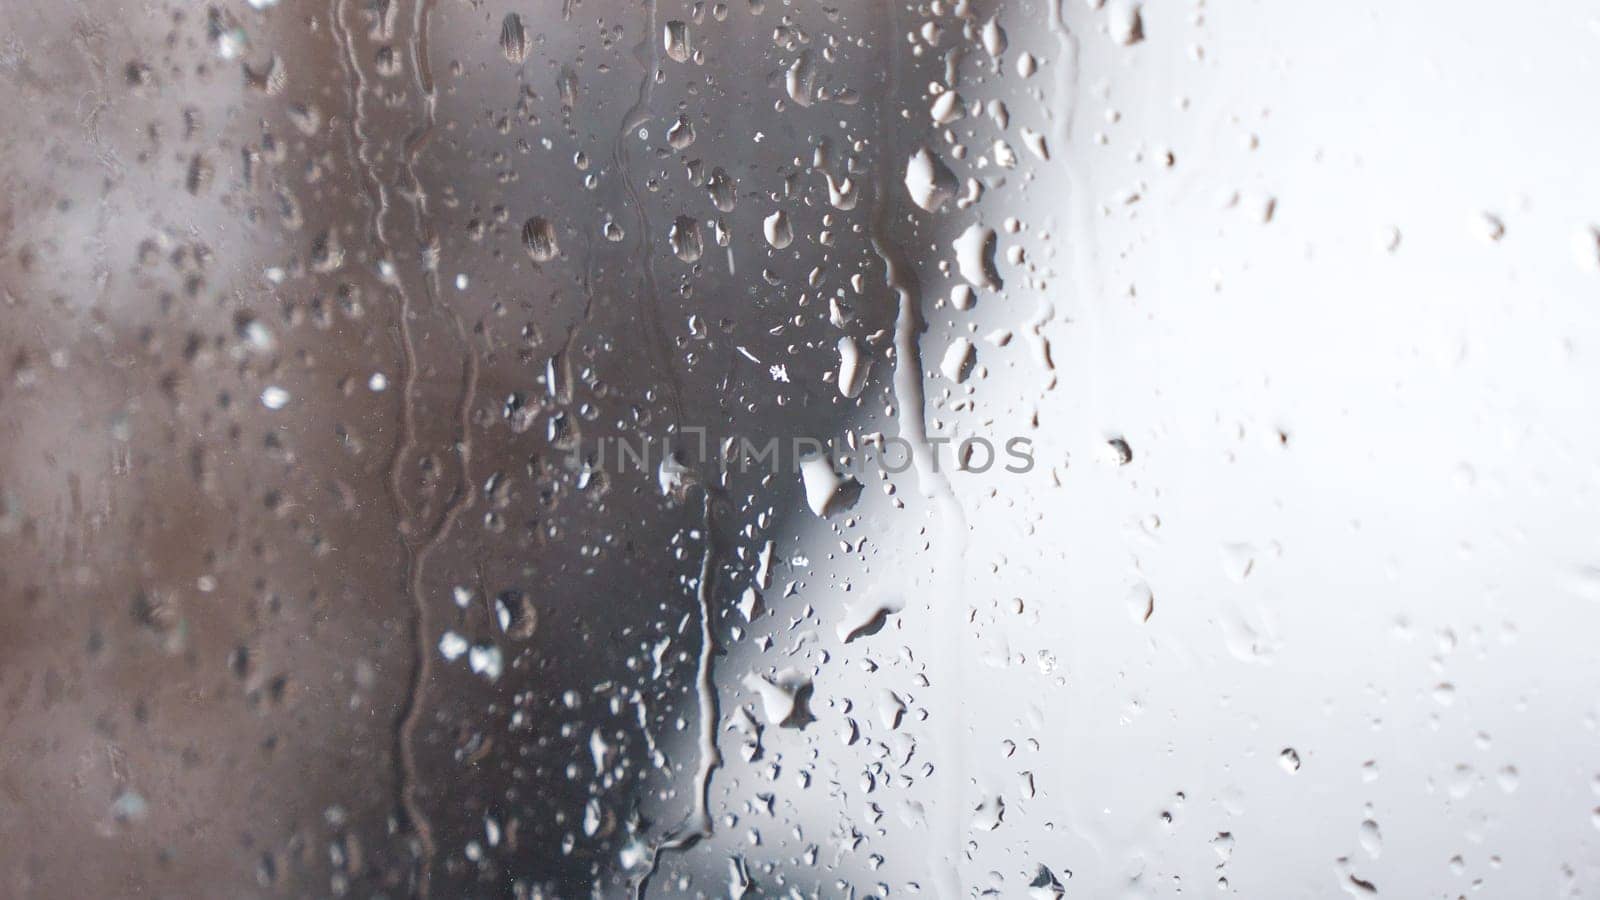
(421, 674)
(419, 137)
(376, 192)
(418, 539)
(1079, 233)
(644, 53)
(419, 56)
(462, 494)
(1067, 74)
(705, 689)
(421, 661)
(574, 328)
(948, 750)
(698, 825)
(378, 197)
(403, 761)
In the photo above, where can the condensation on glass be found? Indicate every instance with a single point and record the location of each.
(759, 448)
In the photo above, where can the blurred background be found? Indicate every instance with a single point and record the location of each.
(323, 570)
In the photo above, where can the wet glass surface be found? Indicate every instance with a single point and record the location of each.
(764, 449)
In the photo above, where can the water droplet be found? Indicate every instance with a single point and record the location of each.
(1141, 602)
(485, 660)
(513, 39)
(452, 645)
(685, 239)
(867, 617)
(1125, 22)
(1035, 142)
(681, 134)
(958, 360)
(722, 190)
(776, 227)
(975, 257)
(827, 491)
(993, 37)
(539, 238)
(675, 39)
(1586, 248)
(801, 79)
(946, 108)
(852, 368)
(274, 397)
(785, 697)
(929, 181)
(516, 614)
(1489, 226)
(1289, 759)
